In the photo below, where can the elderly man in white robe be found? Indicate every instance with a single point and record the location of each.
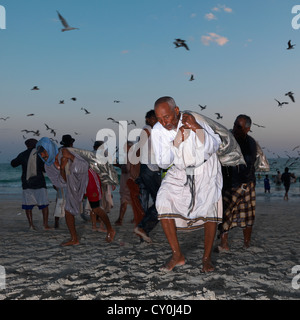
(190, 194)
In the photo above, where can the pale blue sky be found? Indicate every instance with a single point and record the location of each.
(124, 50)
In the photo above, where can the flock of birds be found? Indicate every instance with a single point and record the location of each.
(37, 133)
(179, 43)
(182, 43)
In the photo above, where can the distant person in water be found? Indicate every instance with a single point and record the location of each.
(67, 169)
(267, 184)
(33, 183)
(286, 180)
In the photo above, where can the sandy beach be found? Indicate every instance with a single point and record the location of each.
(38, 268)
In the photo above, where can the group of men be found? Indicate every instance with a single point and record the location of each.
(197, 191)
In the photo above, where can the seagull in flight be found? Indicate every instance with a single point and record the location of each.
(86, 111)
(30, 115)
(4, 118)
(258, 125)
(290, 94)
(280, 104)
(132, 122)
(64, 23)
(218, 115)
(74, 99)
(35, 133)
(290, 45)
(61, 101)
(117, 101)
(202, 107)
(115, 121)
(35, 88)
(54, 140)
(180, 43)
(192, 78)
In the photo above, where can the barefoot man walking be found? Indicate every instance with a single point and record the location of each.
(67, 169)
(190, 194)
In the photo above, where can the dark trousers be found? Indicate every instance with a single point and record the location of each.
(150, 181)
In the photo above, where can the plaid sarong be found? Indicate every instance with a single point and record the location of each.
(239, 207)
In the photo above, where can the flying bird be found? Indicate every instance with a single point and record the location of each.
(280, 104)
(61, 101)
(218, 115)
(4, 118)
(290, 45)
(54, 140)
(202, 107)
(180, 43)
(35, 88)
(192, 78)
(47, 127)
(258, 125)
(132, 122)
(35, 133)
(86, 111)
(30, 115)
(290, 94)
(117, 101)
(295, 148)
(64, 23)
(115, 121)
(74, 99)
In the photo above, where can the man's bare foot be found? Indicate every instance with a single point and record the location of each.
(110, 236)
(173, 262)
(207, 265)
(70, 243)
(32, 228)
(143, 234)
(102, 228)
(118, 222)
(221, 249)
(246, 244)
(47, 228)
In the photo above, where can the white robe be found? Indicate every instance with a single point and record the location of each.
(174, 196)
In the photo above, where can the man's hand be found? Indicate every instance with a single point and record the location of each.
(67, 154)
(189, 122)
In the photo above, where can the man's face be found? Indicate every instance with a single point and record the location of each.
(239, 128)
(167, 116)
(151, 121)
(44, 155)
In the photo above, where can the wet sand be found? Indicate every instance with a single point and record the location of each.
(38, 268)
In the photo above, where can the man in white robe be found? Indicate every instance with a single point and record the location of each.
(190, 193)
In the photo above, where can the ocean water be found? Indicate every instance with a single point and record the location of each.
(11, 187)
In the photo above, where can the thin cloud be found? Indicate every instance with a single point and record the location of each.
(214, 38)
(222, 7)
(210, 16)
(227, 9)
